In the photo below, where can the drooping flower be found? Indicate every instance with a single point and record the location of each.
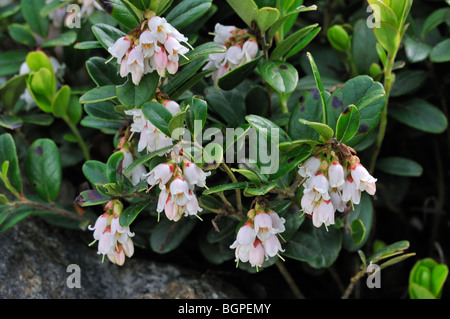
(155, 46)
(333, 183)
(114, 240)
(240, 47)
(256, 238)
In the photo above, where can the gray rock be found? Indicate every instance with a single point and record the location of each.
(34, 260)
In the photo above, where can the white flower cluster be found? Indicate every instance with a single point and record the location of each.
(240, 46)
(114, 241)
(156, 47)
(331, 186)
(151, 138)
(257, 238)
(177, 188)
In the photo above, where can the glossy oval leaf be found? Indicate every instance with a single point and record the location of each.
(133, 96)
(421, 115)
(8, 152)
(281, 76)
(158, 115)
(399, 166)
(44, 169)
(122, 12)
(235, 77)
(187, 12)
(347, 124)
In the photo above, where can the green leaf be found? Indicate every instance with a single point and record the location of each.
(267, 127)
(51, 7)
(88, 45)
(60, 103)
(330, 242)
(202, 50)
(358, 231)
(8, 153)
(22, 34)
(141, 4)
(133, 96)
(144, 159)
(441, 52)
(319, 86)
(287, 44)
(235, 77)
(198, 111)
(363, 47)
(245, 9)
(399, 166)
(284, 17)
(41, 86)
(303, 42)
(103, 110)
(368, 96)
(225, 187)
(281, 76)
(324, 130)
(184, 75)
(158, 115)
(347, 124)
(10, 216)
(299, 154)
(43, 168)
(11, 91)
(91, 198)
(176, 122)
(408, 81)
(107, 35)
(259, 191)
(433, 20)
(130, 213)
(167, 235)
(159, 6)
(229, 105)
(388, 36)
(415, 50)
(421, 115)
(438, 277)
(122, 12)
(363, 212)
(113, 168)
(103, 73)
(64, 39)
(98, 94)
(11, 61)
(418, 292)
(426, 279)
(187, 12)
(389, 251)
(266, 17)
(10, 122)
(37, 60)
(30, 11)
(95, 172)
(303, 246)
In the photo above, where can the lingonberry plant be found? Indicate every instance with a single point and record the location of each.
(254, 129)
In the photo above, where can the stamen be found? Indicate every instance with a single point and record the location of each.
(110, 59)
